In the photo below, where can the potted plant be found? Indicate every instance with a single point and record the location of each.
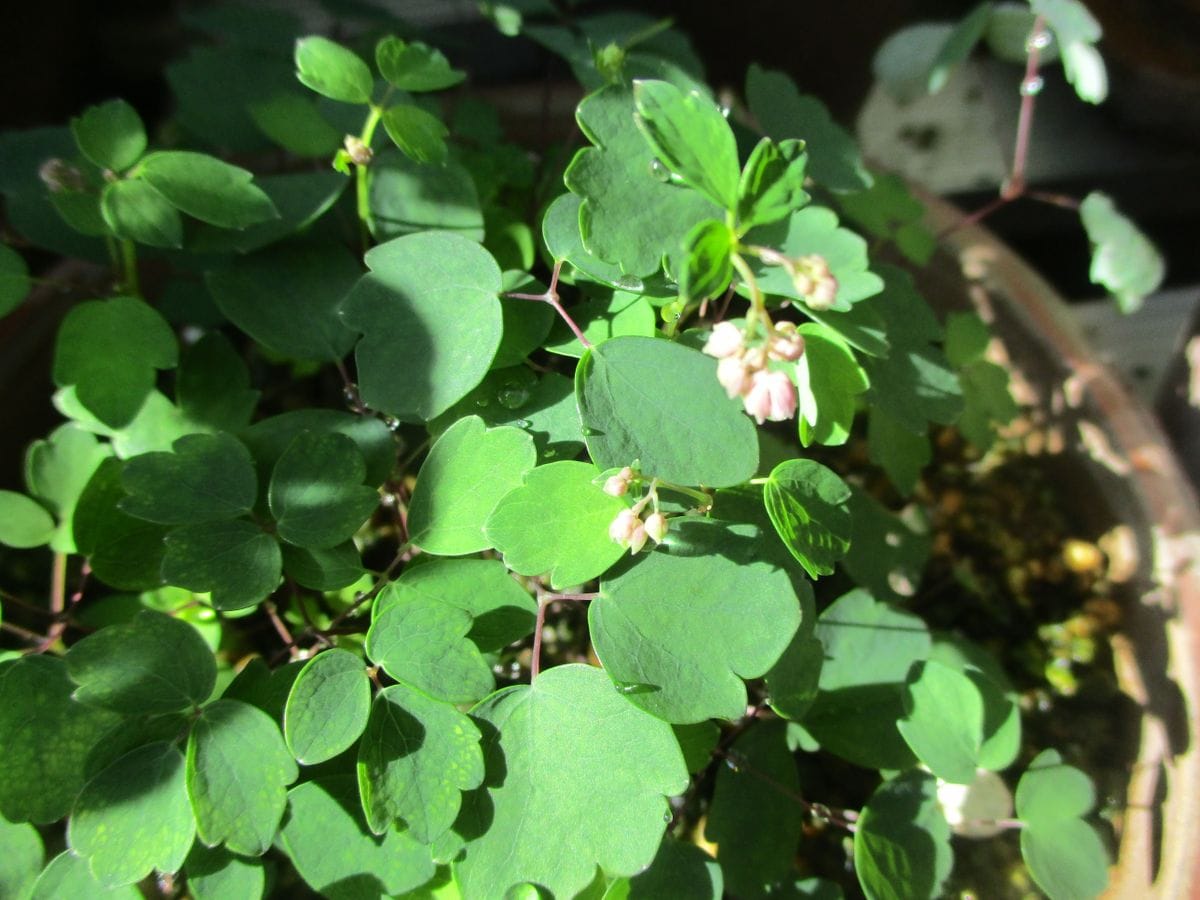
(451, 523)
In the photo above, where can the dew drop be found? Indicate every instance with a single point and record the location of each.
(1039, 41)
(513, 395)
(523, 423)
(659, 171)
(549, 454)
(1031, 86)
(631, 283)
(481, 402)
(589, 431)
(667, 817)
(634, 687)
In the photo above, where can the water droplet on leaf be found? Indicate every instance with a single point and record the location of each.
(634, 687)
(513, 395)
(659, 171)
(481, 402)
(1031, 86)
(630, 283)
(549, 454)
(523, 423)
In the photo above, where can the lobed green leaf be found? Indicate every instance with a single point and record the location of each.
(903, 840)
(317, 495)
(414, 66)
(807, 504)
(327, 707)
(206, 478)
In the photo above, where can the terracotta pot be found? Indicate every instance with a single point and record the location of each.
(1124, 473)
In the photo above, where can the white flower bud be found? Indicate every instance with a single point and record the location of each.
(358, 151)
(782, 394)
(734, 374)
(616, 486)
(656, 527)
(725, 340)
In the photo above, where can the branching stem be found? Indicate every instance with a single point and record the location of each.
(551, 297)
(544, 599)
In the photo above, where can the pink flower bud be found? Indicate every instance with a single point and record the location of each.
(757, 400)
(802, 283)
(824, 293)
(725, 340)
(638, 539)
(734, 375)
(616, 486)
(786, 344)
(782, 394)
(656, 527)
(623, 527)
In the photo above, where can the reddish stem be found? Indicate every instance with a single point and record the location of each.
(544, 599)
(551, 297)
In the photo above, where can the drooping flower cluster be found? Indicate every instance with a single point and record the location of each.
(767, 394)
(629, 529)
(810, 274)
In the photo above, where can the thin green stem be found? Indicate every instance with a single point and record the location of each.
(757, 305)
(129, 268)
(362, 185)
(704, 498)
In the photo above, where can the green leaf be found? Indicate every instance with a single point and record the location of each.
(708, 253)
(14, 279)
(270, 438)
(317, 495)
(422, 641)
(1076, 31)
(236, 561)
(631, 215)
(327, 707)
(21, 861)
(124, 552)
(134, 817)
(419, 134)
(651, 400)
(238, 769)
(902, 845)
(467, 472)
(1064, 853)
(869, 648)
(571, 543)
(287, 298)
(213, 385)
(47, 738)
(330, 569)
(679, 630)
(987, 402)
(135, 211)
(897, 449)
(57, 469)
(889, 210)
(792, 683)
(807, 504)
(216, 874)
(1124, 261)
(502, 610)
(1001, 712)
(414, 66)
(772, 183)
(68, 876)
(887, 556)
(335, 854)
(557, 753)
(300, 198)
(206, 188)
(110, 134)
(914, 383)
(108, 350)
(603, 317)
(561, 234)
(753, 821)
(134, 732)
(416, 757)
(828, 380)
(206, 478)
(408, 197)
(333, 71)
(679, 870)
(24, 522)
(292, 121)
(690, 136)
(697, 741)
(943, 721)
(157, 424)
(815, 230)
(833, 156)
(429, 299)
(150, 665)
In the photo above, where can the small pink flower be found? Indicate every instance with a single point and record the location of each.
(725, 340)
(824, 294)
(618, 485)
(771, 397)
(734, 375)
(656, 527)
(638, 539)
(786, 344)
